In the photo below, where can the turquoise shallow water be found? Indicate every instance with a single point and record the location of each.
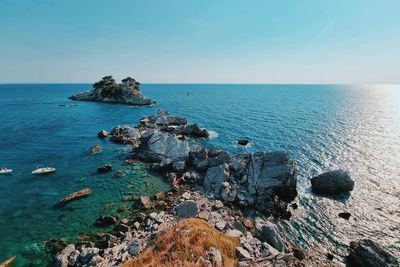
(324, 127)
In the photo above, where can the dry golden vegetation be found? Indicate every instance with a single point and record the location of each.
(184, 244)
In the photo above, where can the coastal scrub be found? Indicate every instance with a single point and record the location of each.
(185, 244)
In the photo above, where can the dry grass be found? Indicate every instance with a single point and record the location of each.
(184, 244)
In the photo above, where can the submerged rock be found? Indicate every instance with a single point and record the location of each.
(74, 196)
(344, 215)
(367, 253)
(332, 183)
(105, 221)
(105, 168)
(95, 149)
(8, 262)
(107, 90)
(102, 134)
(243, 142)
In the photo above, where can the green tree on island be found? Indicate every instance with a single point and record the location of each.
(130, 82)
(110, 88)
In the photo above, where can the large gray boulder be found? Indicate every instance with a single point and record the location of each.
(275, 171)
(367, 253)
(332, 183)
(215, 177)
(263, 176)
(163, 146)
(268, 232)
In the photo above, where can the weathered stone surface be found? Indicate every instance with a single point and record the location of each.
(124, 134)
(146, 202)
(332, 183)
(215, 177)
(86, 254)
(215, 257)
(367, 253)
(234, 233)
(228, 192)
(162, 146)
(268, 232)
(134, 248)
(62, 257)
(187, 209)
(163, 118)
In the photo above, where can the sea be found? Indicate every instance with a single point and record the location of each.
(324, 127)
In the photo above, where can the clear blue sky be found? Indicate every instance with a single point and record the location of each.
(310, 41)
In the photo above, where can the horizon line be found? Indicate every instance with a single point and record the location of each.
(219, 83)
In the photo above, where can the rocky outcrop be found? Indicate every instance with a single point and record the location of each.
(125, 135)
(102, 134)
(107, 90)
(8, 262)
(264, 180)
(75, 196)
(163, 118)
(105, 168)
(243, 142)
(332, 183)
(95, 149)
(62, 258)
(367, 253)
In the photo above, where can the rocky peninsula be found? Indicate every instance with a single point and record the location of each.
(221, 210)
(107, 90)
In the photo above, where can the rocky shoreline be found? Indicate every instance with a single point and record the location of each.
(241, 196)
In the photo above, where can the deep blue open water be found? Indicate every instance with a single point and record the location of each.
(324, 127)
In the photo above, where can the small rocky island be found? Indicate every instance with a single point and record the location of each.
(109, 91)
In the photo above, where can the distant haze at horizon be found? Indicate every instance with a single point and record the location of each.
(177, 41)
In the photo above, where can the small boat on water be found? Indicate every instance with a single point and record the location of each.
(44, 170)
(5, 171)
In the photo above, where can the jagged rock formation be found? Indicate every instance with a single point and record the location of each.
(266, 180)
(107, 90)
(367, 253)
